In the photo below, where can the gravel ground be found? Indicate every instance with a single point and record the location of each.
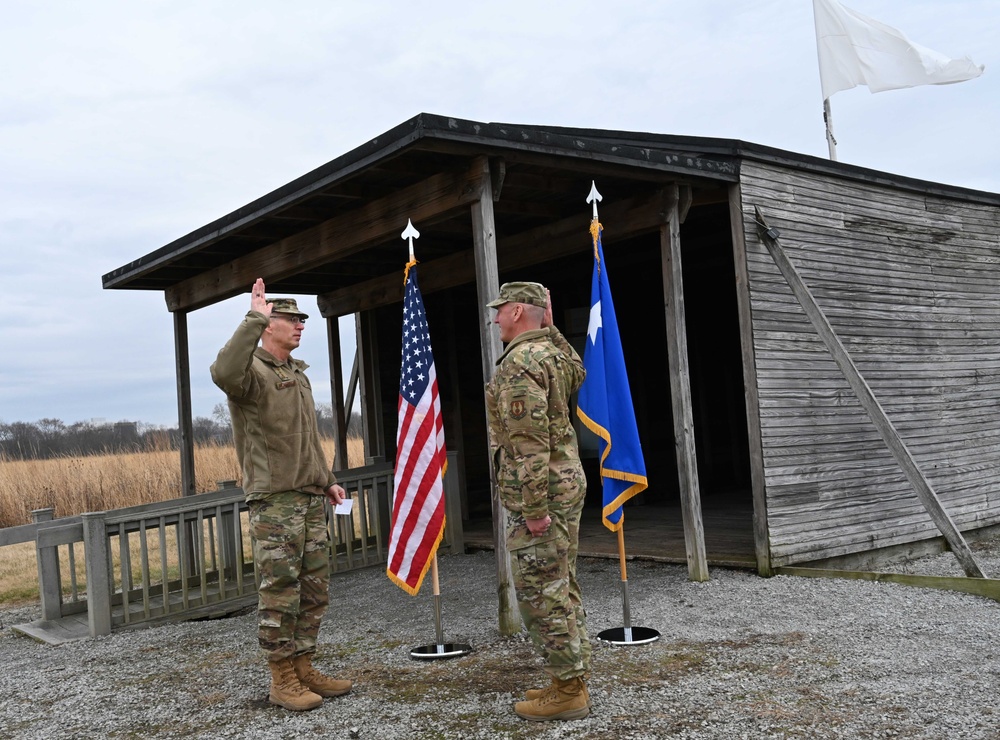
(740, 657)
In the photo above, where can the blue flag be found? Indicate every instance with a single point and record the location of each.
(605, 402)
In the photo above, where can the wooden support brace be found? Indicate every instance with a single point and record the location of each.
(987, 587)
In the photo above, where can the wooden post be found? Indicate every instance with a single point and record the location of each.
(454, 532)
(49, 578)
(184, 423)
(371, 406)
(229, 529)
(455, 497)
(95, 544)
(868, 401)
(487, 289)
(340, 417)
(680, 391)
(761, 533)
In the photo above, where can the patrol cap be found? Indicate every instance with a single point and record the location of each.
(532, 293)
(286, 305)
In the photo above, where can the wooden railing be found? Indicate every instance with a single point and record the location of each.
(191, 557)
(182, 558)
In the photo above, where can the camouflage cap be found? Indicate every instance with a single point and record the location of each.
(532, 293)
(286, 305)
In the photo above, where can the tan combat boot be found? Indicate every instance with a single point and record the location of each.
(316, 681)
(566, 700)
(531, 694)
(286, 691)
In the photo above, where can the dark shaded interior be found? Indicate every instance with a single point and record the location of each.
(634, 269)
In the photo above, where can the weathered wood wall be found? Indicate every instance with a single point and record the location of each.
(910, 282)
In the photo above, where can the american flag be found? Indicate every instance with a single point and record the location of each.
(418, 505)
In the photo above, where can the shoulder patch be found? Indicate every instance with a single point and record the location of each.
(518, 409)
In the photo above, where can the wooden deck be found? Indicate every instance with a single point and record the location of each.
(654, 533)
(69, 628)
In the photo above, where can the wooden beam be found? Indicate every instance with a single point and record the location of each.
(562, 238)
(334, 239)
(519, 179)
(686, 198)
(868, 400)
(498, 172)
(549, 211)
(484, 239)
(628, 160)
(761, 532)
(987, 587)
(680, 391)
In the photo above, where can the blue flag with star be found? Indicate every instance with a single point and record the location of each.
(604, 404)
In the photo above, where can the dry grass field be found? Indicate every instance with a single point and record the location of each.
(73, 485)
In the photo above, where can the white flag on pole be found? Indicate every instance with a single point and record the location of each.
(857, 50)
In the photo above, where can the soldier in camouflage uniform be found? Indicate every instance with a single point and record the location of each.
(286, 478)
(542, 486)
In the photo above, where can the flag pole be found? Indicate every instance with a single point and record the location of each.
(831, 142)
(627, 635)
(626, 611)
(440, 649)
(437, 604)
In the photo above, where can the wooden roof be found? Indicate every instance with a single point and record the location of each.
(335, 232)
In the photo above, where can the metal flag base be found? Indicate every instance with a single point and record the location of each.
(437, 652)
(629, 635)
(440, 649)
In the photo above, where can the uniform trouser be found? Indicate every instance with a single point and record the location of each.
(291, 552)
(549, 599)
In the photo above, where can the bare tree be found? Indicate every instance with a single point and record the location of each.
(220, 412)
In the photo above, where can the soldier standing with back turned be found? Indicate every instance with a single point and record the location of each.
(542, 485)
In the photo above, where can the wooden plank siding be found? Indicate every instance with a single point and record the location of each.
(908, 280)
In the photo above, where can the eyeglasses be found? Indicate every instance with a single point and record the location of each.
(290, 317)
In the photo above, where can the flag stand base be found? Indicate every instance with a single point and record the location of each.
(439, 651)
(629, 635)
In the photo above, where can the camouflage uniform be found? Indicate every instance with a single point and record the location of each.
(538, 472)
(285, 475)
(291, 547)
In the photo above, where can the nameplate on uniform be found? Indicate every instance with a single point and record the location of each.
(284, 384)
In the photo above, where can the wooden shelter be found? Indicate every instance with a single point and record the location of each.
(813, 347)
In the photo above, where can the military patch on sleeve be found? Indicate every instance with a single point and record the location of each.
(518, 409)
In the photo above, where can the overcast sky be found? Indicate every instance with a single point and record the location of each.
(126, 125)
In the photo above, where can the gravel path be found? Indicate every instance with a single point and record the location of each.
(740, 657)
